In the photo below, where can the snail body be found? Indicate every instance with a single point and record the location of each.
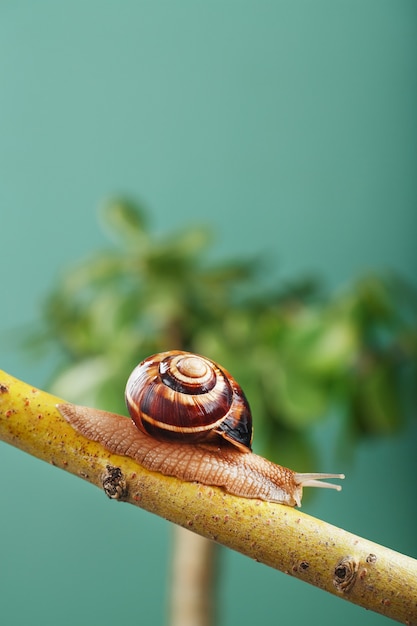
(191, 420)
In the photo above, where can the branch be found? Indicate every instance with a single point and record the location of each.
(330, 558)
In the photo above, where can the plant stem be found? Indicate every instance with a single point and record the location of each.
(192, 579)
(330, 558)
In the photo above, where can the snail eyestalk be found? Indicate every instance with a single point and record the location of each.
(314, 480)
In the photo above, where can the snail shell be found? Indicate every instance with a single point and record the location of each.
(178, 429)
(180, 394)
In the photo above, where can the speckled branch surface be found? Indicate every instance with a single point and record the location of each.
(343, 564)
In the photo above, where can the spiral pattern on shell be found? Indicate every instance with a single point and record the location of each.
(183, 396)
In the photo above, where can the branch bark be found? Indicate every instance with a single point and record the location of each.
(330, 558)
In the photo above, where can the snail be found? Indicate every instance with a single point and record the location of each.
(191, 419)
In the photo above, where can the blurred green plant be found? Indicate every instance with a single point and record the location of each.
(296, 352)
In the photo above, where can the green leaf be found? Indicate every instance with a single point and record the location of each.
(303, 400)
(376, 404)
(126, 219)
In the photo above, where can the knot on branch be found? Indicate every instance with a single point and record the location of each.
(114, 483)
(345, 574)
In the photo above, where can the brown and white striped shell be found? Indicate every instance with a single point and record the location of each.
(178, 394)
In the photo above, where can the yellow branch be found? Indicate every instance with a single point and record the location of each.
(343, 564)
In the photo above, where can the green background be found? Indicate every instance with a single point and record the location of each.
(290, 129)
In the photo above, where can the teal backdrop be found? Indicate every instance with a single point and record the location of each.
(290, 129)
